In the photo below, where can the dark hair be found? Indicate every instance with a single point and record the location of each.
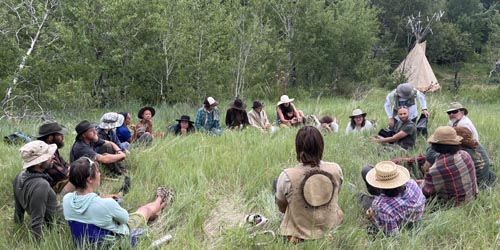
(445, 148)
(82, 169)
(309, 146)
(353, 123)
(393, 192)
(124, 114)
(205, 103)
(44, 138)
(326, 119)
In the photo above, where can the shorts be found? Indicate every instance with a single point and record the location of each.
(137, 224)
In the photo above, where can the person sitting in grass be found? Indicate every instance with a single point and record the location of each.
(452, 177)
(308, 193)
(358, 122)
(110, 121)
(208, 117)
(143, 131)
(85, 206)
(236, 115)
(257, 117)
(405, 132)
(32, 191)
(183, 127)
(458, 118)
(287, 114)
(52, 133)
(400, 202)
(123, 132)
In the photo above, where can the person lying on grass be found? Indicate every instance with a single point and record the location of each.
(85, 206)
(308, 193)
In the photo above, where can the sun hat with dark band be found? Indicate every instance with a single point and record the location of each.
(445, 135)
(111, 120)
(456, 106)
(185, 118)
(387, 175)
(357, 112)
(284, 99)
(50, 127)
(36, 152)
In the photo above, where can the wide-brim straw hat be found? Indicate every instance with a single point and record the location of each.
(357, 112)
(284, 99)
(405, 90)
(142, 110)
(387, 175)
(111, 120)
(456, 106)
(318, 189)
(36, 152)
(50, 127)
(445, 135)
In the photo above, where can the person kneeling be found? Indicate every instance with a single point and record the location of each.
(85, 206)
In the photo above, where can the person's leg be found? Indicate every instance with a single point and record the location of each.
(150, 210)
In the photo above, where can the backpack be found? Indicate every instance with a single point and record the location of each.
(16, 138)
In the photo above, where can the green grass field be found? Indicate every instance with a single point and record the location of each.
(218, 180)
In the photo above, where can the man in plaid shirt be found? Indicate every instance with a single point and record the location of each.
(400, 203)
(208, 117)
(452, 177)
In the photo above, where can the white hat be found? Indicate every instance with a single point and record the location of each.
(284, 99)
(211, 101)
(111, 120)
(36, 152)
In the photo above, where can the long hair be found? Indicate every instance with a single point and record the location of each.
(353, 123)
(468, 140)
(82, 169)
(309, 146)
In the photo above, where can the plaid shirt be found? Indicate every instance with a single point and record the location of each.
(207, 121)
(393, 212)
(452, 177)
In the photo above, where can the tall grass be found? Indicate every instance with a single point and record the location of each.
(218, 180)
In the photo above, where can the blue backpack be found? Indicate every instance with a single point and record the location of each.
(16, 138)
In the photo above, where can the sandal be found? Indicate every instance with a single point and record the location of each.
(166, 195)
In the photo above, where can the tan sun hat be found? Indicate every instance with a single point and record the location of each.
(36, 152)
(284, 99)
(318, 189)
(445, 135)
(456, 106)
(387, 175)
(357, 112)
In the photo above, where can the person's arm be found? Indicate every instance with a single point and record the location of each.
(296, 112)
(38, 207)
(283, 190)
(110, 158)
(245, 118)
(388, 108)
(423, 103)
(216, 122)
(18, 212)
(115, 147)
(282, 117)
(282, 205)
(119, 214)
(394, 138)
(199, 120)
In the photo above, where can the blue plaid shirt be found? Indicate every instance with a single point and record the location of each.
(207, 121)
(394, 212)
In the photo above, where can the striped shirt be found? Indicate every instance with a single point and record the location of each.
(452, 177)
(391, 213)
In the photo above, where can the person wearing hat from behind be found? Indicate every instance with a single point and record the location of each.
(51, 132)
(236, 115)
(32, 191)
(308, 193)
(404, 95)
(358, 122)
(287, 114)
(105, 130)
(452, 177)
(400, 201)
(87, 140)
(183, 127)
(208, 117)
(458, 118)
(143, 131)
(257, 117)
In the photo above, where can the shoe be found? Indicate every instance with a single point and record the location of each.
(255, 219)
(126, 185)
(167, 195)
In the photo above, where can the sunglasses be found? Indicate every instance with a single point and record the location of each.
(452, 112)
(91, 163)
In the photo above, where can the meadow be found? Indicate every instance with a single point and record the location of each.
(218, 180)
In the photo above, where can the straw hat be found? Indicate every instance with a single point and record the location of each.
(456, 106)
(111, 120)
(36, 152)
(405, 91)
(318, 189)
(387, 175)
(445, 135)
(357, 112)
(284, 99)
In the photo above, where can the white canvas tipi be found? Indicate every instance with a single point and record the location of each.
(417, 69)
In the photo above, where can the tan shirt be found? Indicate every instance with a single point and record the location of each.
(258, 120)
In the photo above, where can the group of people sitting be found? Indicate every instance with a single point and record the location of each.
(456, 167)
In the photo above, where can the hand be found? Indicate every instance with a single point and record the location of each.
(391, 122)
(426, 113)
(370, 214)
